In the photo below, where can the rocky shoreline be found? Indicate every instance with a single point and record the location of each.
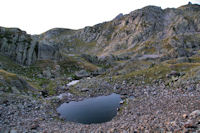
(151, 109)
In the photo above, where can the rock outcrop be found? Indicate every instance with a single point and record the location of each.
(17, 45)
(24, 48)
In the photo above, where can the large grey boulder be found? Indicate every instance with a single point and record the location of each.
(47, 52)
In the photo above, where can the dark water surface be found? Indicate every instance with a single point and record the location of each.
(93, 110)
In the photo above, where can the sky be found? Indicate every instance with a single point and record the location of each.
(38, 16)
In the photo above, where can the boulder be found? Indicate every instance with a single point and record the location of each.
(47, 52)
(173, 73)
(195, 114)
(47, 73)
(84, 89)
(82, 73)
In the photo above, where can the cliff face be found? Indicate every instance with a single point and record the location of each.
(167, 33)
(23, 48)
(17, 45)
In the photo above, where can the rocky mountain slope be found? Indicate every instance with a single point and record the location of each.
(151, 30)
(151, 54)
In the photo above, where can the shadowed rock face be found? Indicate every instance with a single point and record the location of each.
(46, 52)
(17, 45)
(24, 48)
(151, 30)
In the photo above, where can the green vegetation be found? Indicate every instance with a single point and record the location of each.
(70, 64)
(10, 82)
(148, 74)
(78, 46)
(5, 80)
(157, 72)
(7, 75)
(76, 92)
(195, 59)
(166, 43)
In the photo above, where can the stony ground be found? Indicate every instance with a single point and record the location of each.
(151, 109)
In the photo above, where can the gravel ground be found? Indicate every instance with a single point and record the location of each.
(151, 109)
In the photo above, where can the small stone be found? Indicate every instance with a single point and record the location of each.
(173, 123)
(84, 89)
(13, 131)
(57, 67)
(174, 78)
(47, 73)
(44, 93)
(185, 116)
(124, 82)
(70, 78)
(121, 102)
(39, 76)
(111, 130)
(124, 131)
(82, 73)
(88, 77)
(173, 73)
(34, 126)
(61, 87)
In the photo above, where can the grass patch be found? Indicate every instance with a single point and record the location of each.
(7, 75)
(195, 59)
(156, 72)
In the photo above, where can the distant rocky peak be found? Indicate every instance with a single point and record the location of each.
(119, 16)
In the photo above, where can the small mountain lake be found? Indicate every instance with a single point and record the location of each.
(92, 110)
